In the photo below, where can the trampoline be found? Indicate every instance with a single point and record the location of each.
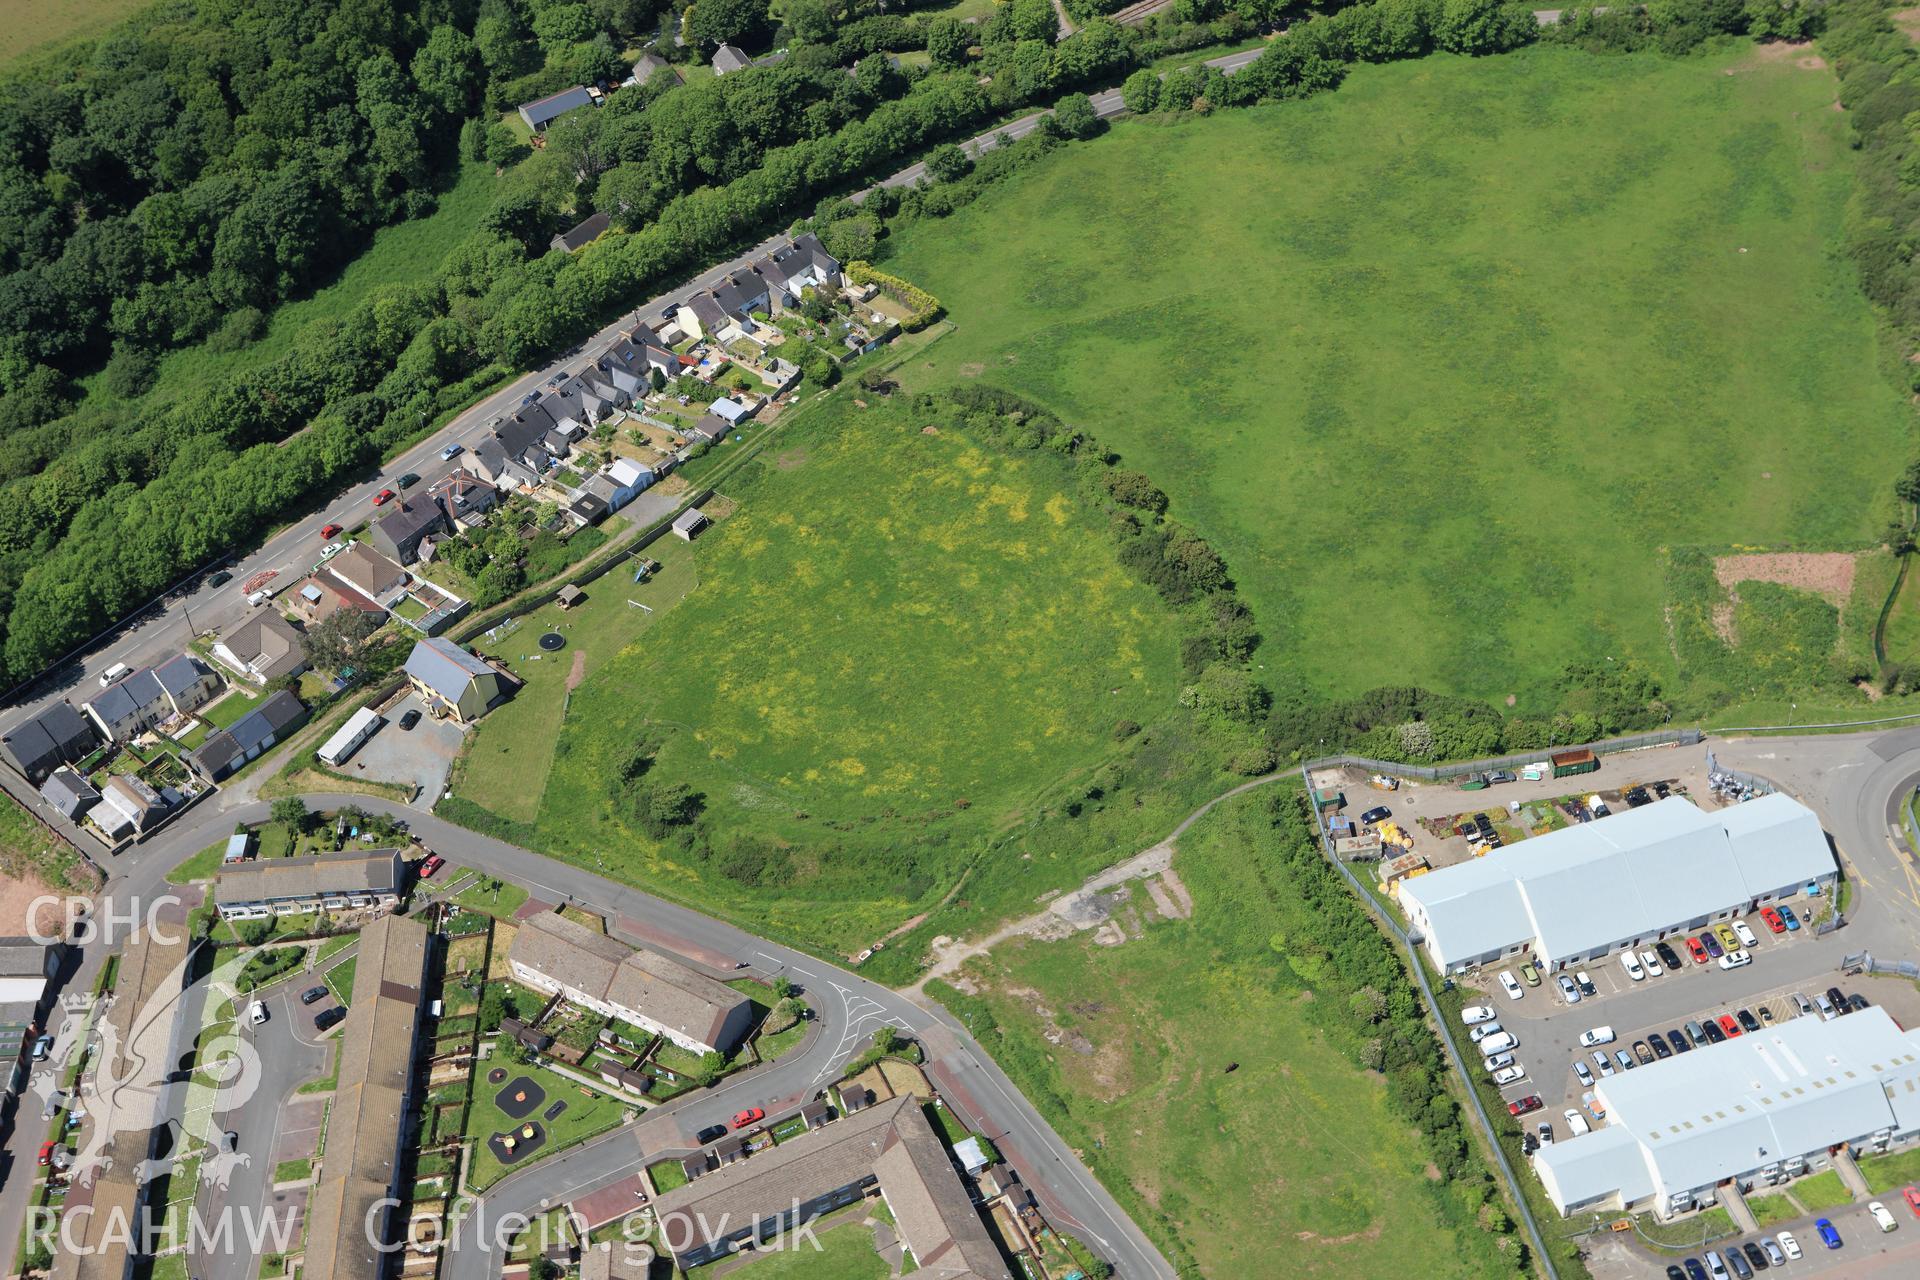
(553, 642)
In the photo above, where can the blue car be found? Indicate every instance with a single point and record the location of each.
(1828, 1236)
(1695, 1271)
(1788, 918)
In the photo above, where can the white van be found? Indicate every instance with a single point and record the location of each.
(1498, 1043)
(1598, 1035)
(117, 671)
(256, 1013)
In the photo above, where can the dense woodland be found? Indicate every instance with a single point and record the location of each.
(170, 184)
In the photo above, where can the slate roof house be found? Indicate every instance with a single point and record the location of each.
(317, 882)
(803, 264)
(889, 1149)
(544, 111)
(453, 682)
(514, 453)
(651, 65)
(368, 572)
(247, 737)
(554, 954)
(263, 647)
(631, 360)
(128, 806)
(43, 742)
(581, 235)
(137, 702)
(727, 58)
(464, 496)
(397, 534)
(712, 428)
(70, 794)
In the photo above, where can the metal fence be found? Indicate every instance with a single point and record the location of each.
(1465, 768)
(1865, 963)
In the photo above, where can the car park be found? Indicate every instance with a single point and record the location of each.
(1774, 922)
(1651, 963)
(1736, 959)
(1379, 813)
(1643, 1054)
(1787, 914)
(1698, 951)
(1827, 1012)
(1522, 1106)
(1828, 1236)
(1510, 984)
(1712, 944)
(1789, 1246)
(1477, 1013)
(1583, 1073)
(1602, 1061)
(1679, 1041)
(1499, 1042)
(1748, 938)
(1529, 974)
(1668, 956)
(1596, 1035)
(1586, 984)
(1631, 963)
(1497, 1061)
(1484, 1030)
(1509, 1075)
(1658, 1043)
(1728, 938)
(1748, 1022)
(1881, 1217)
(1569, 990)
(313, 994)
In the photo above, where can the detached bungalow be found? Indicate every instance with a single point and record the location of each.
(712, 428)
(727, 59)
(651, 65)
(368, 572)
(323, 595)
(42, 743)
(544, 111)
(453, 682)
(264, 647)
(578, 237)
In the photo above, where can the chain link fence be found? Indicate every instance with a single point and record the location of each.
(1466, 768)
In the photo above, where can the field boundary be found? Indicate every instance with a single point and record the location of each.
(1441, 772)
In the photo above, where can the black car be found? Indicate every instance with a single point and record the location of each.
(1658, 1043)
(1586, 983)
(1675, 1273)
(328, 1017)
(313, 994)
(410, 719)
(1755, 1255)
(1662, 790)
(710, 1134)
(1695, 1271)
(220, 579)
(1738, 1263)
(1839, 1001)
(1528, 1144)
(1379, 813)
(1857, 1002)
(1679, 1041)
(409, 480)
(1668, 956)
(1748, 1022)
(1714, 1034)
(1637, 796)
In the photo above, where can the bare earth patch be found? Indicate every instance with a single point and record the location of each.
(578, 671)
(1780, 52)
(793, 458)
(19, 893)
(1827, 574)
(1907, 21)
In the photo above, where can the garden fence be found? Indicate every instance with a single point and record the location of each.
(1466, 768)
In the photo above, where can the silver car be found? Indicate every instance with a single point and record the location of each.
(1569, 989)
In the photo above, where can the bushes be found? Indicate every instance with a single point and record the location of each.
(923, 307)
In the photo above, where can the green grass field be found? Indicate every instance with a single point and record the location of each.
(585, 1117)
(899, 640)
(1450, 356)
(30, 25)
(1291, 1164)
(843, 1252)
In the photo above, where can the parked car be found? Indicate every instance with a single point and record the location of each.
(410, 718)
(1804, 1005)
(230, 1142)
(219, 578)
(431, 867)
(1658, 1043)
(1857, 1003)
(1624, 1058)
(409, 480)
(1697, 950)
(1714, 1034)
(46, 1152)
(1748, 938)
(1756, 1256)
(1695, 1271)
(383, 497)
(451, 452)
(1529, 974)
(1728, 938)
(256, 1014)
(1546, 1133)
(1912, 1195)
(1736, 959)
(1748, 1022)
(752, 1115)
(313, 995)
(1631, 963)
(1712, 944)
(1675, 1273)
(1774, 922)
(1643, 1053)
(1773, 1253)
(1838, 1001)
(1881, 1216)
(42, 1047)
(1509, 1075)
(1739, 1263)
(328, 532)
(1379, 813)
(1651, 963)
(1583, 1074)
(1828, 1236)
(1477, 1013)
(1668, 956)
(1500, 1043)
(1787, 914)
(1522, 1106)
(1602, 1061)
(1578, 1123)
(1528, 1143)
(1500, 775)
(1484, 1030)
(330, 1017)
(1678, 1039)
(710, 1133)
(1569, 990)
(1827, 1010)
(1716, 1268)
(1789, 1246)
(1596, 1035)
(1586, 984)
(1728, 1026)
(1510, 984)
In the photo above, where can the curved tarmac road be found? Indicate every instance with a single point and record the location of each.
(849, 1009)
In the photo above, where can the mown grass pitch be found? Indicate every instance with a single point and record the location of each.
(1441, 361)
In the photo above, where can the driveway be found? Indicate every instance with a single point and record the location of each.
(420, 757)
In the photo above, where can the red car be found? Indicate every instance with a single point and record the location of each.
(328, 532)
(1912, 1193)
(1772, 917)
(431, 865)
(1697, 950)
(46, 1153)
(752, 1115)
(1729, 1025)
(1529, 1103)
(383, 497)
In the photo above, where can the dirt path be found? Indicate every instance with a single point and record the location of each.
(1081, 909)
(579, 670)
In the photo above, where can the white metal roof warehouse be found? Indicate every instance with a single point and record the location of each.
(1626, 880)
(1760, 1104)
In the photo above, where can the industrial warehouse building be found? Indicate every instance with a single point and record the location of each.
(1761, 1108)
(1628, 880)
